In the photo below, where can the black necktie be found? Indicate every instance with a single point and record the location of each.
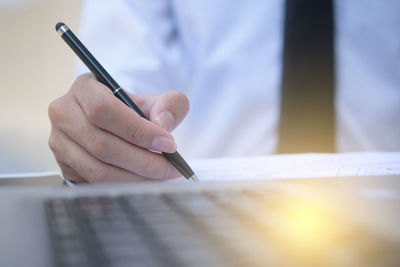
(307, 97)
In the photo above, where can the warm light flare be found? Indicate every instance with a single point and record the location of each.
(308, 229)
(307, 225)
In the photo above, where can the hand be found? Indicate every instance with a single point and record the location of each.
(97, 138)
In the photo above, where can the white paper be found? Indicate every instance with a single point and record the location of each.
(28, 174)
(298, 166)
(283, 166)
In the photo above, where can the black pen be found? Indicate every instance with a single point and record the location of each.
(106, 79)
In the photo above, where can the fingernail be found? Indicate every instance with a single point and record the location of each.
(166, 121)
(163, 144)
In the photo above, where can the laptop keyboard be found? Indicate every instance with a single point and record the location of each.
(224, 228)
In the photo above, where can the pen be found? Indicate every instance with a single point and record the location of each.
(105, 78)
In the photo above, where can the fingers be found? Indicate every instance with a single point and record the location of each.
(108, 113)
(112, 150)
(167, 110)
(97, 138)
(84, 164)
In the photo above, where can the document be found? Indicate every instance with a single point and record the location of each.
(282, 166)
(297, 166)
(27, 175)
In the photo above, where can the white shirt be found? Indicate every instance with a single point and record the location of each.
(226, 56)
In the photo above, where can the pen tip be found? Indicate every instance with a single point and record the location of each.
(193, 179)
(59, 25)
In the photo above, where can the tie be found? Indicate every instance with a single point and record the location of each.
(307, 97)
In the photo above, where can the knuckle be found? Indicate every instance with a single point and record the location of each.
(53, 144)
(79, 83)
(81, 79)
(55, 110)
(99, 146)
(153, 168)
(135, 131)
(97, 110)
(96, 174)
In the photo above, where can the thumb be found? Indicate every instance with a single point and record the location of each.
(169, 109)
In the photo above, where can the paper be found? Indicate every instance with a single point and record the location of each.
(283, 166)
(298, 166)
(28, 174)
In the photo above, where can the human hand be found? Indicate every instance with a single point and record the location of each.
(97, 138)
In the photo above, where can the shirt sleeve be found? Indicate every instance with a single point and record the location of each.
(137, 42)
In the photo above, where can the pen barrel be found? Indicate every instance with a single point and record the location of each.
(121, 95)
(179, 163)
(89, 60)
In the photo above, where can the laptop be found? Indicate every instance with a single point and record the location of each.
(352, 221)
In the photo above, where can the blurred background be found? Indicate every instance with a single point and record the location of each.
(36, 67)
